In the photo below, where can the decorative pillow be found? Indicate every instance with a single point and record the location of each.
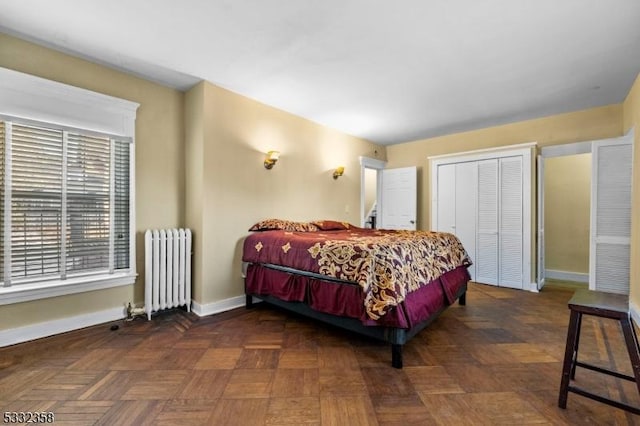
(283, 225)
(332, 225)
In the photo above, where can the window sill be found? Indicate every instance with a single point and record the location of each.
(43, 290)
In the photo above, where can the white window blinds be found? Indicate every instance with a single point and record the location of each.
(121, 204)
(64, 197)
(36, 201)
(88, 203)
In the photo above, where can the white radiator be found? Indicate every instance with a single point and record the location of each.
(167, 254)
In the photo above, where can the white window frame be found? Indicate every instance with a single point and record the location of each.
(28, 98)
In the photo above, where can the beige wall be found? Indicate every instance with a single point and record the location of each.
(631, 120)
(567, 191)
(229, 189)
(159, 166)
(194, 166)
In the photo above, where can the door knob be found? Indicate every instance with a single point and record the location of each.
(412, 222)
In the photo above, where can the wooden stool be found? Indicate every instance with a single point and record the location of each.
(606, 305)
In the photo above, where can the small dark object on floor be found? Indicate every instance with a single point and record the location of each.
(114, 327)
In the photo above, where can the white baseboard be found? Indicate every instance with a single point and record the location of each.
(13, 336)
(634, 310)
(44, 329)
(220, 306)
(566, 275)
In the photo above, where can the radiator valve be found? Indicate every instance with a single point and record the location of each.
(133, 311)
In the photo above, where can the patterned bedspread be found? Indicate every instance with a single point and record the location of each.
(386, 264)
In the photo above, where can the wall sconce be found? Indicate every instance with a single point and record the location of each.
(270, 159)
(338, 172)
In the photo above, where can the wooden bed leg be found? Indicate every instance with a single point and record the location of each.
(396, 356)
(462, 300)
(248, 301)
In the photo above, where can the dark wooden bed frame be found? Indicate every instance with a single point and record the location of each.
(396, 336)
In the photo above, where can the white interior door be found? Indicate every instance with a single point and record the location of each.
(541, 266)
(397, 207)
(487, 228)
(609, 257)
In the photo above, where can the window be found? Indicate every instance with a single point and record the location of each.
(64, 199)
(66, 189)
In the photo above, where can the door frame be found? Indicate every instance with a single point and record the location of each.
(575, 148)
(375, 164)
(540, 265)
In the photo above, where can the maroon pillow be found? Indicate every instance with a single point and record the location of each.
(283, 225)
(332, 225)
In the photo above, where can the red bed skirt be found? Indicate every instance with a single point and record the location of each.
(346, 300)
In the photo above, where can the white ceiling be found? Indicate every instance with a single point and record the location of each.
(386, 71)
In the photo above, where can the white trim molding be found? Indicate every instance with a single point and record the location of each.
(634, 310)
(489, 151)
(220, 306)
(372, 163)
(34, 98)
(41, 290)
(14, 336)
(580, 277)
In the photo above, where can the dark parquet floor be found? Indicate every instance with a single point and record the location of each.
(497, 360)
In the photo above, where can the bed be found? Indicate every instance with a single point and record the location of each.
(385, 284)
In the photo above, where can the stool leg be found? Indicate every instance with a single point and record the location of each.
(575, 348)
(570, 351)
(632, 347)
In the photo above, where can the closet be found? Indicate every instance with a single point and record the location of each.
(610, 213)
(484, 198)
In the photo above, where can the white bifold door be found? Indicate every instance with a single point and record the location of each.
(609, 254)
(485, 200)
(458, 188)
(500, 222)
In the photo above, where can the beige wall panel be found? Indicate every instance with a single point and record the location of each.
(238, 191)
(194, 166)
(159, 165)
(567, 189)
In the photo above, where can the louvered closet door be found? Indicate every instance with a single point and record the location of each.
(487, 217)
(466, 190)
(510, 233)
(611, 216)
